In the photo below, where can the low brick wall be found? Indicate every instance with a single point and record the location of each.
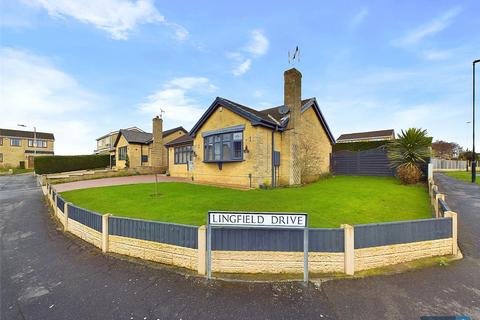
(154, 251)
(275, 262)
(375, 257)
(342, 250)
(88, 234)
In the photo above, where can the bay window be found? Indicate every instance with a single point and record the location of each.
(223, 147)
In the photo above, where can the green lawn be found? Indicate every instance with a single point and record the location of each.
(15, 170)
(329, 202)
(463, 175)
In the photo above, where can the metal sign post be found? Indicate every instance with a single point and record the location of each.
(270, 220)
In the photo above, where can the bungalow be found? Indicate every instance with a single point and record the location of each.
(237, 145)
(380, 135)
(144, 149)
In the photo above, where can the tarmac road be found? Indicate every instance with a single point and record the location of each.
(46, 274)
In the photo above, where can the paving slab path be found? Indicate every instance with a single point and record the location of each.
(46, 274)
(115, 181)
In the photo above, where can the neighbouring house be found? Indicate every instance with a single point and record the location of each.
(237, 145)
(105, 142)
(380, 135)
(144, 149)
(18, 148)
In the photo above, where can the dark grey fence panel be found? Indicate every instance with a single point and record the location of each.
(326, 240)
(60, 203)
(442, 207)
(372, 162)
(170, 233)
(288, 240)
(257, 239)
(381, 234)
(88, 218)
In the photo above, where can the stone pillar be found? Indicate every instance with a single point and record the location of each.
(65, 213)
(453, 215)
(157, 144)
(202, 250)
(437, 205)
(349, 242)
(105, 232)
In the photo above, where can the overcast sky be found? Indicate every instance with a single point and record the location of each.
(80, 69)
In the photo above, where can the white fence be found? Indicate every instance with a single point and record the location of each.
(442, 164)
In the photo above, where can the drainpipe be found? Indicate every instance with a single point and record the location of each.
(273, 155)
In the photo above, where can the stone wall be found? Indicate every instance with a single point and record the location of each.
(83, 232)
(154, 251)
(275, 262)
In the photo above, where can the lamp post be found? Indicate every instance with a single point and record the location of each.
(474, 155)
(34, 139)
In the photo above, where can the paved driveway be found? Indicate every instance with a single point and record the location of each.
(48, 275)
(115, 181)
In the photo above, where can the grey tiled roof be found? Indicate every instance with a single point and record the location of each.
(25, 134)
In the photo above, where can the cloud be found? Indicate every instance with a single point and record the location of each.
(117, 17)
(179, 99)
(242, 67)
(258, 45)
(427, 30)
(34, 92)
(437, 54)
(359, 18)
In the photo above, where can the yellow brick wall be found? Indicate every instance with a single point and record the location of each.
(275, 262)
(167, 139)
(369, 258)
(235, 173)
(122, 142)
(177, 170)
(88, 234)
(154, 251)
(315, 147)
(13, 155)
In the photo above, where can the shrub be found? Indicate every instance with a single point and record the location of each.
(22, 165)
(408, 153)
(55, 164)
(409, 174)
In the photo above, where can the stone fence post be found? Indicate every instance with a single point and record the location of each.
(349, 243)
(453, 215)
(202, 250)
(105, 232)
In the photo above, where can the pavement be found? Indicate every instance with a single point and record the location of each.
(46, 274)
(115, 181)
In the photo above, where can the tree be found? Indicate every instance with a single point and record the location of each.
(127, 162)
(408, 152)
(446, 150)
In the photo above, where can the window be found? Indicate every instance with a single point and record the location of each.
(1, 156)
(223, 147)
(182, 154)
(40, 143)
(14, 142)
(1, 141)
(144, 158)
(122, 153)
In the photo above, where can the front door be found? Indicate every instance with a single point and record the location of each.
(30, 162)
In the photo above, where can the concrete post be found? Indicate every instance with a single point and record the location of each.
(201, 251)
(349, 242)
(105, 232)
(65, 213)
(453, 215)
(432, 200)
(430, 171)
(437, 205)
(55, 208)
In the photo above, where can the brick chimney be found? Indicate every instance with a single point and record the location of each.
(157, 145)
(293, 95)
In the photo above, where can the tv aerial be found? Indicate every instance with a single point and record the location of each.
(295, 57)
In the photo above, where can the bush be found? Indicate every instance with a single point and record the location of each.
(55, 164)
(409, 174)
(22, 165)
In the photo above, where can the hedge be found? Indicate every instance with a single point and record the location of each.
(359, 146)
(55, 164)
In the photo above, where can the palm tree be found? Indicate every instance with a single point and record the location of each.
(408, 152)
